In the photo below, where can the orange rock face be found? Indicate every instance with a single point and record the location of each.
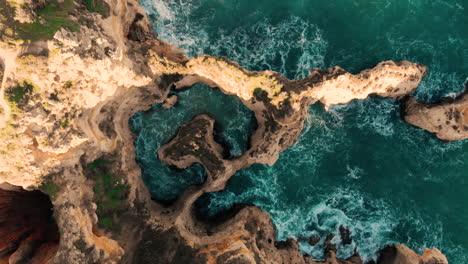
(28, 232)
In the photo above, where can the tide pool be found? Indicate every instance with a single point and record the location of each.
(357, 165)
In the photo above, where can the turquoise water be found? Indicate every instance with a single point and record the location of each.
(357, 165)
(158, 126)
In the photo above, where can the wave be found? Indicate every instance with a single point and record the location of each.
(260, 46)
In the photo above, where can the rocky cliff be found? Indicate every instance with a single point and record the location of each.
(73, 73)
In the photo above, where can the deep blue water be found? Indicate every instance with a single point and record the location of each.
(357, 165)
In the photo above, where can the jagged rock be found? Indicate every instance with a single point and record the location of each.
(448, 119)
(194, 143)
(313, 240)
(345, 235)
(139, 30)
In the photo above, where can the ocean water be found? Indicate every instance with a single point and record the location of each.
(158, 126)
(357, 165)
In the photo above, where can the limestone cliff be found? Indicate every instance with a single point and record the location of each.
(70, 81)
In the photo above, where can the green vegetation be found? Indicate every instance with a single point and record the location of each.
(68, 84)
(96, 6)
(50, 189)
(259, 92)
(49, 20)
(110, 193)
(19, 92)
(64, 123)
(97, 163)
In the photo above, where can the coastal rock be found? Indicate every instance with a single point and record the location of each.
(194, 143)
(400, 254)
(280, 105)
(313, 240)
(345, 235)
(170, 102)
(67, 133)
(448, 119)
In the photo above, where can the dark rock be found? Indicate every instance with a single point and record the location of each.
(138, 30)
(345, 235)
(313, 240)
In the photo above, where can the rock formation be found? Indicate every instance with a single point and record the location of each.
(280, 105)
(28, 230)
(448, 119)
(403, 255)
(66, 98)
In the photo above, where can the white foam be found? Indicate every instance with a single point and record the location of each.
(354, 173)
(258, 46)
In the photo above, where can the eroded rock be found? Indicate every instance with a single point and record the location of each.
(400, 254)
(448, 120)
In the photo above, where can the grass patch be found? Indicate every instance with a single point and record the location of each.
(96, 6)
(20, 92)
(50, 189)
(18, 96)
(64, 123)
(49, 20)
(98, 163)
(110, 194)
(68, 84)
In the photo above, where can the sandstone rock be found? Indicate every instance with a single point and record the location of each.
(400, 254)
(448, 120)
(170, 102)
(193, 143)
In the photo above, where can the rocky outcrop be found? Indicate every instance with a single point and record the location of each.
(194, 143)
(447, 119)
(280, 105)
(64, 129)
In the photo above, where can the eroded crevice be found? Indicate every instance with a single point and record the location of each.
(28, 231)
